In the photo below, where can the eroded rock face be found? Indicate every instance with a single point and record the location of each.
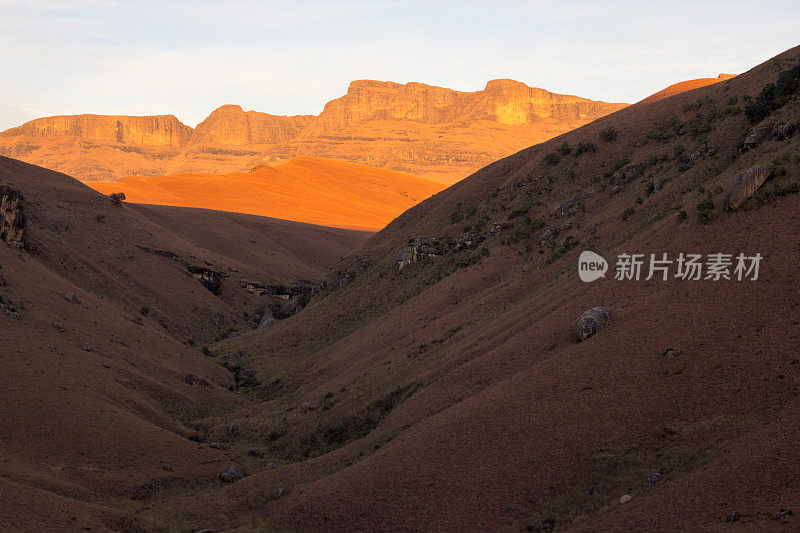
(590, 322)
(375, 123)
(505, 101)
(419, 249)
(160, 130)
(12, 216)
(231, 125)
(744, 186)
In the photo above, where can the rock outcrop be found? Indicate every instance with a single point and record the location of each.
(12, 216)
(420, 248)
(744, 186)
(756, 135)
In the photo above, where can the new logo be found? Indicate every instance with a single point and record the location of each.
(591, 266)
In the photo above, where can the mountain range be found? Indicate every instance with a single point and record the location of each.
(431, 132)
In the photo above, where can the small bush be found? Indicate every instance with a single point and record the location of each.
(609, 134)
(628, 212)
(705, 210)
(565, 148)
(117, 197)
(585, 147)
(678, 150)
(551, 158)
(682, 215)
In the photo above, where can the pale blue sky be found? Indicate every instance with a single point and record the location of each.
(187, 58)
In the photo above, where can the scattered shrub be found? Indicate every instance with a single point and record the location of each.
(682, 215)
(678, 150)
(584, 147)
(705, 210)
(665, 130)
(569, 243)
(628, 212)
(565, 148)
(774, 95)
(609, 134)
(551, 158)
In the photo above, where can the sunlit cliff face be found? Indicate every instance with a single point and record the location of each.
(428, 131)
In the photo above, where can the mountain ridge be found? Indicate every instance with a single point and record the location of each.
(422, 129)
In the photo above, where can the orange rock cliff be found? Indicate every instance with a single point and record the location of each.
(430, 131)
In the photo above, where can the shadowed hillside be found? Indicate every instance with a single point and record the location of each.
(441, 388)
(434, 381)
(103, 311)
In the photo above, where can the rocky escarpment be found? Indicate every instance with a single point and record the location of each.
(422, 129)
(504, 101)
(152, 131)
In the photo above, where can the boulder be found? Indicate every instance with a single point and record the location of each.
(58, 326)
(2, 280)
(313, 405)
(255, 452)
(219, 446)
(744, 186)
(233, 473)
(71, 298)
(590, 322)
(625, 499)
(86, 347)
(756, 135)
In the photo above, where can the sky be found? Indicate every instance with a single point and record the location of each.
(188, 58)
